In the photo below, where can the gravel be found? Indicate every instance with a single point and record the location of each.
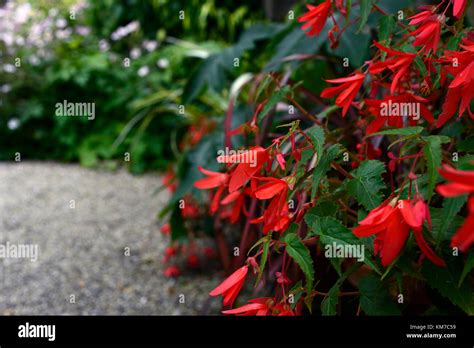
(82, 266)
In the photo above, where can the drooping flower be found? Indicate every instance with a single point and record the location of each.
(390, 111)
(420, 17)
(391, 223)
(462, 182)
(244, 171)
(458, 7)
(464, 237)
(213, 179)
(346, 91)
(461, 90)
(427, 35)
(316, 17)
(276, 216)
(172, 272)
(258, 306)
(398, 62)
(231, 286)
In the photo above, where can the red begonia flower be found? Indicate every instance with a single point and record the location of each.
(462, 182)
(346, 92)
(316, 17)
(214, 179)
(464, 237)
(231, 286)
(245, 171)
(257, 306)
(427, 35)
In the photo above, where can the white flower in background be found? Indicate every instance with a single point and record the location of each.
(53, 12)
(121, 32)
(143, 71)
(13, 123)
(22, 13)
(163, 63)
(150, 45)
(6, 88)
(34, 60)
(135, 53)
(64, 34)
(83, 30)
(61, 22)
(9, 68)
(20, 41)
(104, 45)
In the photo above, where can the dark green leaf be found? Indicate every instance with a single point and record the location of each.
(399, 131)
(375, 299)
(300, 254)
(323, 166)
(432, 151)
(365, 9)
(276, 97)
(367, 183)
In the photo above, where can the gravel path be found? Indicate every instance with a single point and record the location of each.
(81, 249)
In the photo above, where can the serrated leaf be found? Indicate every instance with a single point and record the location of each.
(451, 207)
(367, 183)
(300, 254)
(387, 25)
(273, 101)
(323, 166)
(316, 134)
(445, 280)
(432, 152)
(332, 230)
(399, 131)
(375, 299)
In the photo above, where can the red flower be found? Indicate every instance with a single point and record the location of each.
(258, 306)
(463, 182)
(193, 261)
(166, 229)
(169, 180)
(461, 89)
(464, 237)
(233, 213)
(276, 216)
(172, 272)
(427, 35)
(377, 107)
(245, 171)
(391, 223)
(423, 15)
(347, 90)
(230, 287)
(458, 7)
(315, 17)
(214, 179)
(397, 61)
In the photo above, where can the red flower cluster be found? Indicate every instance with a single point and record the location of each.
(391, 222)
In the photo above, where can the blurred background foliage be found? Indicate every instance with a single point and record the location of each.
(139, 61)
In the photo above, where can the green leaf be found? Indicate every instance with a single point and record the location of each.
(300, 254)
(468, 266)
(451, 207)
(367, 183)
(323, 166)
(432, 151)
(399, 131)
(365, 9)
(446, 281)
(420, 64)
(316, 134)
(387, 26)
(273, 101)
(328, 305)
(263, 258)
(438, 220)
(178, 231)
(375, 299)
(332, 230)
